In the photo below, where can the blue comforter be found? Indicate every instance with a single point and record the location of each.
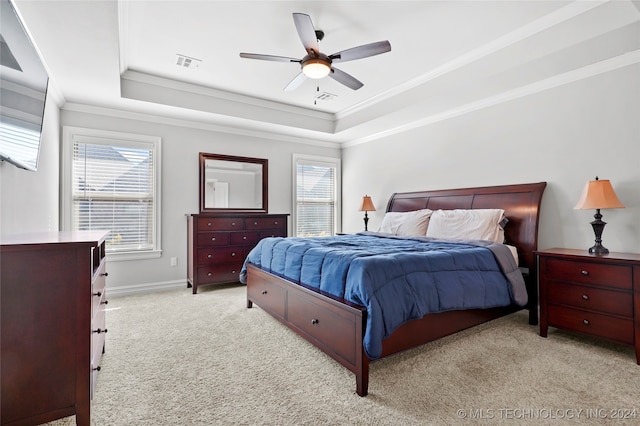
(397, 279)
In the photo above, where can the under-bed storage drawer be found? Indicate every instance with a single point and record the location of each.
(269, 296)
(319, 320)
(331, 324)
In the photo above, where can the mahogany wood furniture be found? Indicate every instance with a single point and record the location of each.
(230, 183)
(53, 295)
(337, 326)
(219, 242)
(598, 295)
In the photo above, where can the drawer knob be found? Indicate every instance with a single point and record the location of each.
(233, 254)
(314, 321)
(585, 321)
(583, 272)
(209, 274)
(213, 238)
(244, 237)
(585, 297)
(275, 223)
(97, 368)
(100, 331)
(105, 274)
(208, 223)
(209, 256)
(264, 291)
(233, 224)
(98, 294)
(255, 223)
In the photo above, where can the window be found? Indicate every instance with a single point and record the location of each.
(316, 196)
(111, 181)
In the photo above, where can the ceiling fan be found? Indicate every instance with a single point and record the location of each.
(316, 64)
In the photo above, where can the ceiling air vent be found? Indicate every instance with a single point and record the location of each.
(187, 62)
(325, 96)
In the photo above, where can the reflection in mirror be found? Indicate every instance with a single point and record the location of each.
(221, 177)
(232, 183)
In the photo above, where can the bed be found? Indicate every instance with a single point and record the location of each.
(341, 328)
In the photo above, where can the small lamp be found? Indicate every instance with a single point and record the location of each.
(598, 194)
(367, 206)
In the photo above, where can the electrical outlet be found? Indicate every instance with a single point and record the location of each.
(174, 261)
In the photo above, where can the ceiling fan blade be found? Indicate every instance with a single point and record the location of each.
(363, 51)
(268, 57)
(346, 79)
(306, 32)
(296, 82)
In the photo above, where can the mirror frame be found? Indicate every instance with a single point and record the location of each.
(203, 157)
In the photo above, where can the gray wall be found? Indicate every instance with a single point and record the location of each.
(564, 136)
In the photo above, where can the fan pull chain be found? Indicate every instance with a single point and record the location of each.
(315, 99)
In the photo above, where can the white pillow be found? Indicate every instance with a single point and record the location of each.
(406, 224)
(460, 224)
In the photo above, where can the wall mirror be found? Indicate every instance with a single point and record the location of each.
(233, 184)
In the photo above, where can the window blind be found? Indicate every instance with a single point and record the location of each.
(113, 189)
(315, 199)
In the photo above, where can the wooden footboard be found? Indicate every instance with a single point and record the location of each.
(334, 325)
(337, 326)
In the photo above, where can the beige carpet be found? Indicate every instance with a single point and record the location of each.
(175, 358)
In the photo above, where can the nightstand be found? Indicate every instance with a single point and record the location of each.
(598, 295)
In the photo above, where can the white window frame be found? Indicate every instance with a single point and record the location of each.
(73, 135)
(320, 161)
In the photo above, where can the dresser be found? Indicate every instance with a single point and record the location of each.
(218, 243)
(598, 295)
(52, 324)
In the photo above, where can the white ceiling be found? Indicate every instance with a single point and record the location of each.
(447, 58)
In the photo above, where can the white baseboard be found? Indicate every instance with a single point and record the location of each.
(129, 290)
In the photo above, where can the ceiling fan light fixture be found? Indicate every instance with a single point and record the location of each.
(316, 68)
(317, 65)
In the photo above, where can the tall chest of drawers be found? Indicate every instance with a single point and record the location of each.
(218, 243)
(52, 324)
(598, 295)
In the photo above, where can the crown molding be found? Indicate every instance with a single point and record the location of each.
(249, 128)
(141, 77)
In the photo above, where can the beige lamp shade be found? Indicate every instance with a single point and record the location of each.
(598, 194)
(367, 205)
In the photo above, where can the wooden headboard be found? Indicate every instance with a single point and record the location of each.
(521, 205)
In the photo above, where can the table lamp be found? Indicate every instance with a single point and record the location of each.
(598, 194)
(367, 206)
